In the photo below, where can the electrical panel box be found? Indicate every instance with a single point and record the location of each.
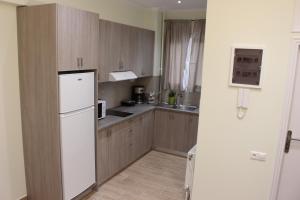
(246, 67)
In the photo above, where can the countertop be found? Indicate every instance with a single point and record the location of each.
(111, 120)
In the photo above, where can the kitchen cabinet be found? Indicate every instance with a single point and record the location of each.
(74, 35)
(175, 132)
(142, 134)
(77, 39)
(110, 49)
(145, 53)
(103, 155)
(121, 144)
(124, 48)
(117, 48)
(112, 150)
(148, 131)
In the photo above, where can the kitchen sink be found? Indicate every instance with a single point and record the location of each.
(118, 113)
(178, 107)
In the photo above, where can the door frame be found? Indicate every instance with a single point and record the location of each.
(292, 69)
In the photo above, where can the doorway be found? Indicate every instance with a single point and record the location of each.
(287, 173)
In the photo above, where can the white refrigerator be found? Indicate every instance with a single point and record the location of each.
(77, 128)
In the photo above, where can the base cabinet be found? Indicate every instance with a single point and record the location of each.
(175, 131)
(120, 145)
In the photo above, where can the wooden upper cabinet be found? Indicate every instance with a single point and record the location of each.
(128, 47)
(89, 40)
(116, 48)
(145, 53)
(110, 51)
(124, 48)
(77, 39)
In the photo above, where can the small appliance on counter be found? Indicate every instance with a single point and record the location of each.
(151, 98)
(138, 94)
(128, 103)
(101, 109)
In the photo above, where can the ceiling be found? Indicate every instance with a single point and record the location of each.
(172, 4)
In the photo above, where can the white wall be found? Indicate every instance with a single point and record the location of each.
(12, 178)
(224, 169)
(185, 14)
(120, 11)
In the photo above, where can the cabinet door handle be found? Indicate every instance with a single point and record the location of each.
(81, 63)
(78, 63)
(108, 133)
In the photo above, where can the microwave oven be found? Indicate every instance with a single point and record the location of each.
(101, 109)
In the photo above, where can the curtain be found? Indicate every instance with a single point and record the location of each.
(183, 54)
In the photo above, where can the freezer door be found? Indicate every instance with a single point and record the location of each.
(77, 151)
(76, 91)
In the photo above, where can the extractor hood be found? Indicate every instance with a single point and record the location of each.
(122, 76)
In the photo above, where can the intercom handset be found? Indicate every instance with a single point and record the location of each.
(242, 102)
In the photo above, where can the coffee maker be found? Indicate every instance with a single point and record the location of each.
(138, 94)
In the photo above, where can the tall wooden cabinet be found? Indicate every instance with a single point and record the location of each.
(124, 48)
(51, 39)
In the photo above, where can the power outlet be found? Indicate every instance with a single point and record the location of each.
(260, 156)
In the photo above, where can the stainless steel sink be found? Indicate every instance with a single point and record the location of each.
(118, 113)
(178, 107)
(185, 107)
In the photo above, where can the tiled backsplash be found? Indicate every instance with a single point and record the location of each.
(115, 92)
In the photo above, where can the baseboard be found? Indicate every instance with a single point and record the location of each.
(23, 198)
(172, 152)
(87, 193)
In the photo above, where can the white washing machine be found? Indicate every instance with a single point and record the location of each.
(189, 175)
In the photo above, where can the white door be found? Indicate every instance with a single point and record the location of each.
(289, 188)
(76, 91)
(77, 151)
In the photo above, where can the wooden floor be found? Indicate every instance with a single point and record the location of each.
(157, 176)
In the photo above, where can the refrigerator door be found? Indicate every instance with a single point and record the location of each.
(76, 91)
(77, 151)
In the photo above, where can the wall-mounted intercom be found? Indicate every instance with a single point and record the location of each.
(246, 66)
(245, 73)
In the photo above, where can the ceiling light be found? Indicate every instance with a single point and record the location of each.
(179, 1)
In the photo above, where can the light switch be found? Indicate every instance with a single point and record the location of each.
(260, 156)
